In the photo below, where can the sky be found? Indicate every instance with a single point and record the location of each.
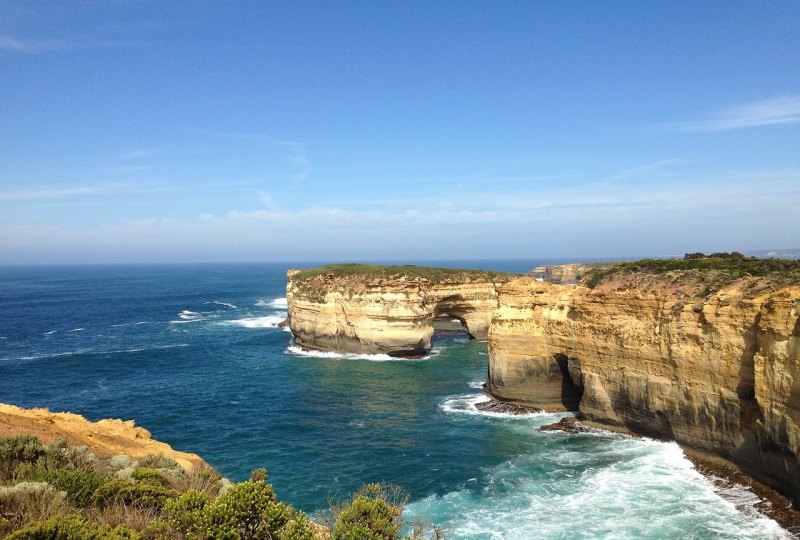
(199, 131)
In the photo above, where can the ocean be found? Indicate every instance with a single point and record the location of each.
(193, 354)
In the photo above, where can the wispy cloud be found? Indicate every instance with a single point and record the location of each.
(55, 193)
(768, 112)
(134, 155)
(644, 170)
(249, 135)
(298, 156)
(31, 46)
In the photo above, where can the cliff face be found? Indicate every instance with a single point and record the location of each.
(720, 374)
(105, 438)
(564, 274)
(390, 314)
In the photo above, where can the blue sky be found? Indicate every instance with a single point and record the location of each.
(137, 131)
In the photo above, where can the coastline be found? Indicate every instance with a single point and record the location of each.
(724, 473)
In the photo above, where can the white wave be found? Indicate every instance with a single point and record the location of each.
(466, 404)
(187, 316)
(280, 303)
(76, 330)
(476, 384)
(129, 324)
(298, 351)
(50, 333)
(269, 321)
(224, 304)
(622, 488)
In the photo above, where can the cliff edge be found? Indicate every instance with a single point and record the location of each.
(105, 438)
(704, 353)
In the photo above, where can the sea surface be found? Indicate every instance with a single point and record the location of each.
(192, 353)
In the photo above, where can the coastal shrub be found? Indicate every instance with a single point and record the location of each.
(185, 513)
(162, 463)
(374, 513)
(16, 450)
(79, 484)
(143, 495)
(71, 527)
(153, 477)
(59, 455)
(203, 479)
(298, 528)
(29, 501)
(247, 504)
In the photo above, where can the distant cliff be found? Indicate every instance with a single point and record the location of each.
(705, 353)
(371, 309)
(565, 274)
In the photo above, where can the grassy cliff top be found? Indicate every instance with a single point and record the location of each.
(382, 271)
(698, 274)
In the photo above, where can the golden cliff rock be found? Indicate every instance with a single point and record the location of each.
(372, 309)
(719, 373)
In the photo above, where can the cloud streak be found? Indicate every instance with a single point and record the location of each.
(768, 112)
(54, 193)
(31, 46)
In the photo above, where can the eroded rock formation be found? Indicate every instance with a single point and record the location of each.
(718, 373)
(390, 310)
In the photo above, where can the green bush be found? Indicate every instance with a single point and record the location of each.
(153, 477)
(16, 450)
(71, 527)
(79, 484)
(246, 503)
(185, 513)
(117, 490)
(374, 513)
(298, 528)
(58, 455)
(163, 463)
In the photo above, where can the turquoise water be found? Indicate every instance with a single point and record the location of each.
(191, 352)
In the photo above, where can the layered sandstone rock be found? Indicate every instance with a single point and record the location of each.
(565, 274)
(105, 438)
(720, 374)
(390, 311)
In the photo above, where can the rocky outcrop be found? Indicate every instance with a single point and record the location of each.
(720, 373)
(390, 310)
(565, 274)
(106, 438)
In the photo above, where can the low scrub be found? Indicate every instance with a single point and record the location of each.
(58, 492)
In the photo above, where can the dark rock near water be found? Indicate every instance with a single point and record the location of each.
(502, 407)
(570, 424)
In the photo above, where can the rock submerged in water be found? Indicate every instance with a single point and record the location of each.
(502, 407)
(570, 424)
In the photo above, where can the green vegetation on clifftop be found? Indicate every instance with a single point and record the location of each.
(713, 272)
(372, 271)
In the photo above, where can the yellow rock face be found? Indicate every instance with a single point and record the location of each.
(105, 438)
(385, 315)
(720, 374)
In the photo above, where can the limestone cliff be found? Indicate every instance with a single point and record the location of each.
(105, 438)
(371, 309)
(720, 373)
(565, 274)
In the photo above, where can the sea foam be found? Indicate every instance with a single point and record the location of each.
(616, 487)
(269, 321)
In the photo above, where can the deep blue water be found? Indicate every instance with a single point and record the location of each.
(191, 353)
